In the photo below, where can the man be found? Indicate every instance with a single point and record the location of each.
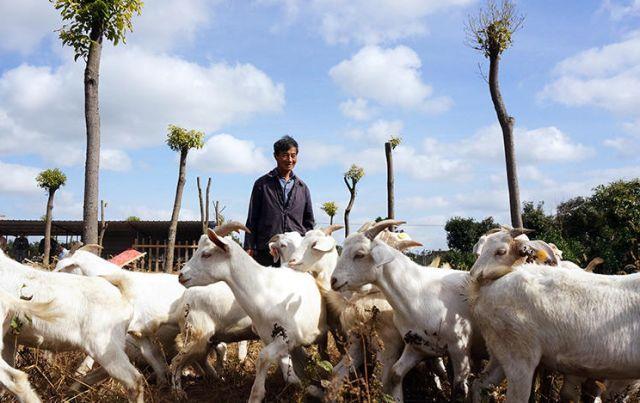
(20, 248)
(280, 202)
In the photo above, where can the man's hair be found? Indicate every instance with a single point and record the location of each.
(284, 144)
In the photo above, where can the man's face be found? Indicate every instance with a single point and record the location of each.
(287, 160)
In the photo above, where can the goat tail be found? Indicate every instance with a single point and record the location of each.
(122, 283)
(27, 309)
(336, 302)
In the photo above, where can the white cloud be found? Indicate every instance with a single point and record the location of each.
(227, 154)
(20, 179)
(357, 109)
(315, 154)
(24, 23)
(388, 76)
(43, 106)
(164, 24)
(606, 77)
(114, 160)
(423, 203)
(366, 21)
(622, 9)
(545, 144)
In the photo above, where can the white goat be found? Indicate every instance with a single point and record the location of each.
(282, 246)
(429, 305)
(284, 305)
(210, 314)
(154, 296)
(531, 314)
(24, 312)
(93, 316)
(362, 310)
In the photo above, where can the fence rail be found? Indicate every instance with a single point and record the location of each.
(156, 251)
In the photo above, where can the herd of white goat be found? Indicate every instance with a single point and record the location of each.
(521, 307)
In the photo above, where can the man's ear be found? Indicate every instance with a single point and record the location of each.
(324, 244)
(381, 254)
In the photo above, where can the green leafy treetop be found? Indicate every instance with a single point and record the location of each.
(180, 139)
(51, 179)
(395, 141)
(492, 30)
(355, 173)
(133, 218)
(87, 20)
(331, 208)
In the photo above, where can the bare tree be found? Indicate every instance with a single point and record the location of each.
(181, 140)
(50, 180)
(218, 209)
(351, 179)
(204, 207)
(491, 32)
(103, 223)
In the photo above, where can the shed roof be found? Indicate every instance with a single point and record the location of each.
(150, 229)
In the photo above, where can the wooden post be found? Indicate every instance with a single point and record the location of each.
(103, 224)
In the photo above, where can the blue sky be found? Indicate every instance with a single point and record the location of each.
(339, 76)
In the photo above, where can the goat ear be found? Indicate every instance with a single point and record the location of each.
(219, 242)
(538, 251)
(274, 253)
(66, 265)
(382, 254)
(405, 244)
(324, 244)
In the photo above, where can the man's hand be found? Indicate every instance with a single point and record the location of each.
(251, 252)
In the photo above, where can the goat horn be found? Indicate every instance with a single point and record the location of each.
(333, 227)
(519, 231)
(227, 228)
(407, 244)
(377, 228)
(366, 226)
(91, 248)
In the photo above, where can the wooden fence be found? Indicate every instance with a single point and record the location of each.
(156, 251)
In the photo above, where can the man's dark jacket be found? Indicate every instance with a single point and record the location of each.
(269, 215)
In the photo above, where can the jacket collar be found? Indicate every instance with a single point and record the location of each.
(274, 174)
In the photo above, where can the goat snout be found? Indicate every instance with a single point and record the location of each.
(181, 279)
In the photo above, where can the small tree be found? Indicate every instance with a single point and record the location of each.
(133, 218)
(351, 179)
(50, 180)
(491, 33)
(87, 22)
(389, 146)
(331, 208)
(181, 140)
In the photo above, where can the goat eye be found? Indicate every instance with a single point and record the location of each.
(501, 252)
(206, 254)
(358, 255)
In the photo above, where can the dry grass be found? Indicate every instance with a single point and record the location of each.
(52, 377)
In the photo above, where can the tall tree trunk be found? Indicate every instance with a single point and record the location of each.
(506, 123)
(92, 118)
(390, 180)
(330, 220)
(347, 211)
(168, 262)
(47, 229)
